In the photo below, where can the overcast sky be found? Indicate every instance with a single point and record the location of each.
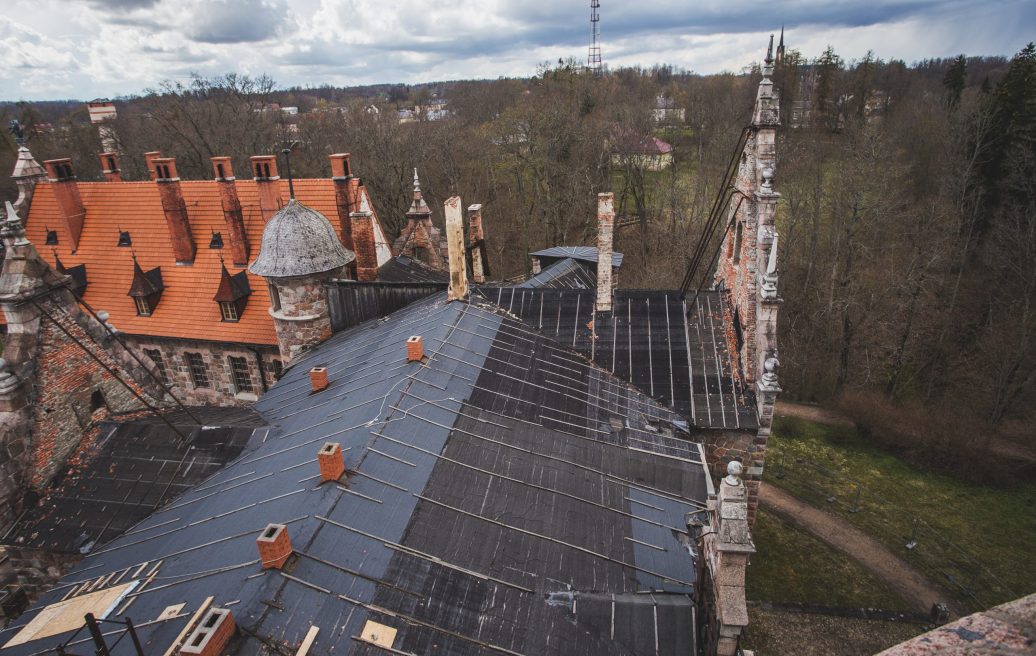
(93, 48)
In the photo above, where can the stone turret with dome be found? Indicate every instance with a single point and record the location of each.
(299, 241)
(299, 252)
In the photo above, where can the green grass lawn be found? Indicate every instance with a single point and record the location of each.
(791, 566)
(961, 524)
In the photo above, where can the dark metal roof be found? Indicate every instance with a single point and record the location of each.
(675, 354)
(127, 471)
(567, 273)
(485, 484)
(584, 253)
(405, 269)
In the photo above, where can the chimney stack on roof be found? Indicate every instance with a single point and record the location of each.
(66, 191)
(345, 196)
(331, 461)
(149, 160)
(264, 169)
(318, 379)
(455, 247)
(364, 245)
(212, 635)
(110, 166)
(414, 349)
(477, 240)
(274, 546)
(223, 171)
(174, 208)
(605, 230)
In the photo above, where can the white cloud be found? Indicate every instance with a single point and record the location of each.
(110, 47)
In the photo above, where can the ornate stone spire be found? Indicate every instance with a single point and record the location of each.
(27, 172)
(418, 208)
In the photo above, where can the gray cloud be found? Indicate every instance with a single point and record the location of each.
(122, 5)
(239, 21)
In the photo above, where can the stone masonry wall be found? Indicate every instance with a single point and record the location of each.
(222, 389)
(303, 319)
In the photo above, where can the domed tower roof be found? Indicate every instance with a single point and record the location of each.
(299, 241)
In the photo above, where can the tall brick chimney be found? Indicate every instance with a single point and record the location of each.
(110, 166)
(149, 160)
(477, 243)
(66, 191)
(605, 228)
(174, 209)
(264, 170)
(363, 240)
(345, 195)
(224, 173)
(455, 247)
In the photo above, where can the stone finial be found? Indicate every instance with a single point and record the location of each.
(734, 471)
(12, 229)
(770, 368)
(768, 174)
(103, 316)
(417, 181)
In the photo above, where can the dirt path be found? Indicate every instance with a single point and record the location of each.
(875, 557)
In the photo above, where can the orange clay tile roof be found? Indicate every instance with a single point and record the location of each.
(186, 309)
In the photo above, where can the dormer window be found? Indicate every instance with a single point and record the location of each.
(124, 239)
(146, 289)
(228, 311)
(217, 240)
(143, 307)
(232, 294)
(52, 238)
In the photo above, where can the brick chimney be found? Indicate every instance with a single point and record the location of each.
(345, 195)
(213, 634)
(110, 166)
(66, 191)
(274, 546)
(318, 381)
(414, 349)
(264, 170)
(149, 160)
(605, 228)
(224, 173)
(174, 208)
(331, 461)
(477, 243)
(363, 239)
(455, 246)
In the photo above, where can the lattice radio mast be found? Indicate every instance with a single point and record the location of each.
(593, 62)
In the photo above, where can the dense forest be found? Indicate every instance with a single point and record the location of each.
(907, 219)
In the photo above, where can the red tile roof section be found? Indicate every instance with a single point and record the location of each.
(186, 310)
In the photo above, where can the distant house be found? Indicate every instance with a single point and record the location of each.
(650, 153)
(666, 111)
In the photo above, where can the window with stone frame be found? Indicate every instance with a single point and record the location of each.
(242, 378)
(275, 298)
(196, 366)
(737, 243)
(277, 368)
(156, 357)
